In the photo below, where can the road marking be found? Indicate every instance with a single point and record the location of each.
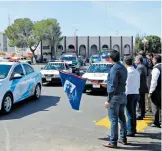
(141, 124)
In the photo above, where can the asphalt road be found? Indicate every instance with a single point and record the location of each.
(49, 124)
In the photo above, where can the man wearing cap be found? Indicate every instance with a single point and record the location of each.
(143, 85)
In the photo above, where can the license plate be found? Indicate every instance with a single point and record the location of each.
(96, 86)
(48, 78)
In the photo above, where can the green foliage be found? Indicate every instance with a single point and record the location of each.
(153, 45)
(24, 33)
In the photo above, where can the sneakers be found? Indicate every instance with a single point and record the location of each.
(130, 135)
(124, 142)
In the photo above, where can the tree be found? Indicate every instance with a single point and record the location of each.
(24, 33)
(153, 45)
(53, 33)
(21, 34)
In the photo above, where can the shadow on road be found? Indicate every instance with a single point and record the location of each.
(30, 106)
(133, 145)
(97, 93)
(58, 84)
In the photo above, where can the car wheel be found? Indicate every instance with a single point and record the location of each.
(7, 103)
(37, 92)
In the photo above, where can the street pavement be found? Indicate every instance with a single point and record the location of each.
(49, 124)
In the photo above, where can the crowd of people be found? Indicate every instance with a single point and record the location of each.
(136, 86)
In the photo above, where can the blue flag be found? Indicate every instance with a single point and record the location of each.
(73, 87)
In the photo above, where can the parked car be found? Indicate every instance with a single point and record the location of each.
(18, 81)
(105, 57)
(50, 73)
(72, 61)
(97, 73)
(95, 59)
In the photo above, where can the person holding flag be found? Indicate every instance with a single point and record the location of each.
(116, 101)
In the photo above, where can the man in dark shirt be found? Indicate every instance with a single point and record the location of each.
(143, 85)
(150, 67)
(116, 101)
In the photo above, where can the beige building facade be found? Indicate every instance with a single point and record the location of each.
(87, 45)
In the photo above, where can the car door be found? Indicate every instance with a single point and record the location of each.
(30, 80)
(17, 85)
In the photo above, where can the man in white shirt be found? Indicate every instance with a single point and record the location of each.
(132, 92)
(155, 90)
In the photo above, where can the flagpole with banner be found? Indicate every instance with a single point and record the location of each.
(73, 86)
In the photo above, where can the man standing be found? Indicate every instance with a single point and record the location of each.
(132, 92)
(143, 85)
(116, 101)
(150, 67)
(155, 90)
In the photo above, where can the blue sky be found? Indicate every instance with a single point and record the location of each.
(90, 18)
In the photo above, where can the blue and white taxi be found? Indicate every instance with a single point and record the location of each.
(50, 73)
(96, 76)
(18, 81)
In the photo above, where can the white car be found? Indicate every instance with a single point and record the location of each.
(18, 81)
(97, 73)
(50, 73)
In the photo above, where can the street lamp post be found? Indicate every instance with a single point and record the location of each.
(144, 41)
(75, 40)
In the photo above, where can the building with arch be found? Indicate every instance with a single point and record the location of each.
(87, 45)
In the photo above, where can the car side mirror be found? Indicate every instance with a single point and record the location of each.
(42, 68)
(16, 76)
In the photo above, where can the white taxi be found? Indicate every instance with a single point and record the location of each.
(96, 76)
(50, 73)
(18, 81)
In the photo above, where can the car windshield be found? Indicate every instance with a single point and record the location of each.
(105, 57)
(54, 66)
(99, 68)
(68, 58)
(4, 70)
(95, 57)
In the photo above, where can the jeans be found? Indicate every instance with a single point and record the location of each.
(132, 100)
(115, 112)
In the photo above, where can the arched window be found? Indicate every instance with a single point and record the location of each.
(105, 47)
(116, 47)
(82, 50)
(71, 48)
(126, 49)
(60, 48)
(93, 50)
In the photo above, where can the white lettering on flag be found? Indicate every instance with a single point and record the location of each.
(69, 85)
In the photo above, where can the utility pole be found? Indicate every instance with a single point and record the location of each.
(9, 20)
(75, 40)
